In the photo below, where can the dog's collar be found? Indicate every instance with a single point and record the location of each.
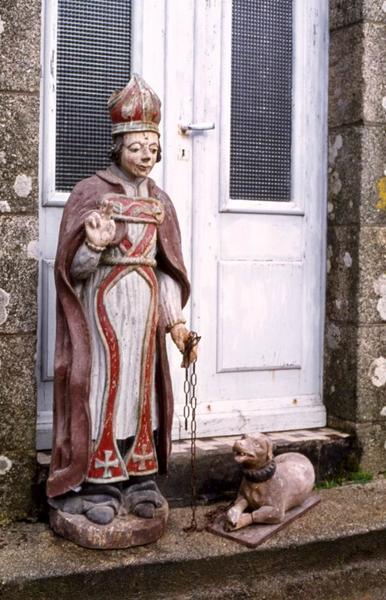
(259, 475)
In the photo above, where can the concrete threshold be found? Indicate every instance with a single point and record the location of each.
(337, 551)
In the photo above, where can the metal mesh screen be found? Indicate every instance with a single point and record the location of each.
(260, 156)
(93, 59)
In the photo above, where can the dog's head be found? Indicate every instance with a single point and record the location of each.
(253, 452)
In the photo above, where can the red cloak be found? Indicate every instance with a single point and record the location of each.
(72, 442)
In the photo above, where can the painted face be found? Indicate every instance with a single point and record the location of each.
(139, 153)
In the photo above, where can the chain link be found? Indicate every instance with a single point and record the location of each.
(190, 407)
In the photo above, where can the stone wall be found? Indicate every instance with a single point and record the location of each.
(19, 139)
(355, 367)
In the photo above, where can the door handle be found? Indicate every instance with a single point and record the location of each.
(195, 127)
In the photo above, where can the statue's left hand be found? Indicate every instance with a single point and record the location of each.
(180, 336)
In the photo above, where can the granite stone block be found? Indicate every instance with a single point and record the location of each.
(371, 374)
(374, 72)
(371, 284)
(19, 153)
(18, 392)
(20, 45)
(342, 273)
(371, 438)
(373, 157)
(356, 165)
(347, 12)
(17, 474)
(340, 370)
(344, 176)
(19, 274)
(346, 77)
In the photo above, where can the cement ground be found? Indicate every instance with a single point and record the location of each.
(337, 551)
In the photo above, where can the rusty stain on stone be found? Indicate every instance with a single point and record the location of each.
(4, 301)
(23, 186)
(381, 204)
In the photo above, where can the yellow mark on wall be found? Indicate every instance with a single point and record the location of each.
(381, 204)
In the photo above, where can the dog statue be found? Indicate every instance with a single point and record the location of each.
(270, 486)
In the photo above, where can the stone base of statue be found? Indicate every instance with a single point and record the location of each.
(125, 531)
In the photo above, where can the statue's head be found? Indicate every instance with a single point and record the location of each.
(135, 113)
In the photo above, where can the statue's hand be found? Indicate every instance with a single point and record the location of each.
(100, 227)
(181, 336)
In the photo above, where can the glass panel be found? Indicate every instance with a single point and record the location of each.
(260, 157)
(93, 59)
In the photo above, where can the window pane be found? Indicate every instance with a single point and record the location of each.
(93, 59)
(260, 161)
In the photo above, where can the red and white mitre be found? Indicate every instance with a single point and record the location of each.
(134, 108)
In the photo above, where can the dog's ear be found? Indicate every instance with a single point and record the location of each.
(269, 448)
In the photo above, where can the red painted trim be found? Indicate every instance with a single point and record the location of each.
(107, 441)
(142, 458)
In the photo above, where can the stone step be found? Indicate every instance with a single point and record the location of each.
(336, 551)
(331, 452)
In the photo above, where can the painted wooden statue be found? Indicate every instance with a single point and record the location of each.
(121, 285)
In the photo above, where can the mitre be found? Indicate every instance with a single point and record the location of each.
(134, 108)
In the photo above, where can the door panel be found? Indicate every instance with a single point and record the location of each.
(259, 323)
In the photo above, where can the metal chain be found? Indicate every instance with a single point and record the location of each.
(190, 407)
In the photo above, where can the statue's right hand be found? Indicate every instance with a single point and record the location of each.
(100, 226)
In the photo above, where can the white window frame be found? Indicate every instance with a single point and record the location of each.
(303, 87)
(50, 196)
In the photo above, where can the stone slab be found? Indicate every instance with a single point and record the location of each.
(342, 276)
(255, 535)
(19, 153)
(344, 13)
(19, 274)
(345, 76)
(374, 68)
(20, 44)
(17, 390)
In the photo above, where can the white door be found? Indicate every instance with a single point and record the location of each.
(256, 259)
(257, 265)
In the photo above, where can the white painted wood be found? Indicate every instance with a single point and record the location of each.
(48, 320)
(230, 235)
(272, 254)
(49, 195)
(258, 321)
(242, 418)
